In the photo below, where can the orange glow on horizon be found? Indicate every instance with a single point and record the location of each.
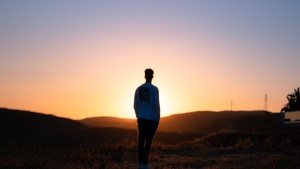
(92, 77)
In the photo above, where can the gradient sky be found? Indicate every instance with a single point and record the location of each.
(80, 59)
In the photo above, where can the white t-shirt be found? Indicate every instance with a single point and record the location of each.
(146, 102)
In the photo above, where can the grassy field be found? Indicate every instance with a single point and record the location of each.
(258, 148)
(35, 141)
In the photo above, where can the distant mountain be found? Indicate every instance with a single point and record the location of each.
(19, 129)
(31, 121)
(194, 122)
(110, 122)
(24, 128)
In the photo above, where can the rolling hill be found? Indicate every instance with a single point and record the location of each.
(25, 128)
(201, 122)
(21, 128)
(110, 122)
(15, 119)
(194, 122)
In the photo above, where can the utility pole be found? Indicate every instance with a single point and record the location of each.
(230, 122)
(266, 102)
(231, 111)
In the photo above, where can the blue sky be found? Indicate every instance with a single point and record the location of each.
(210, 52)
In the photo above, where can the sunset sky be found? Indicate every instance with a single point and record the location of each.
(80, 59)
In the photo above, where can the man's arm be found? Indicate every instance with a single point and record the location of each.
(135, 104)
(156, 105)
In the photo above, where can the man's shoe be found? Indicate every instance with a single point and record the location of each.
(141, 166)
(146, 166)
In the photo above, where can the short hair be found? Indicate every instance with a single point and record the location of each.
(149, 73)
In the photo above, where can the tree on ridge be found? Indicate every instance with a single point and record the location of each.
(293, 102)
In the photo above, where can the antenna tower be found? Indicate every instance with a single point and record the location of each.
(266, 102)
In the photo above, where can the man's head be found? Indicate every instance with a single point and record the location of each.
(149, 75)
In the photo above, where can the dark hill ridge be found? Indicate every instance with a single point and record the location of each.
(194, 122)
(19, 128)
(26, 120)
(27, 127)
(110, 122)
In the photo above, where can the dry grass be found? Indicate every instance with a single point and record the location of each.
(35, 141)
(258, 149)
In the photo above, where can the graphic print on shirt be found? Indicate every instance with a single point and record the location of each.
(144, 94)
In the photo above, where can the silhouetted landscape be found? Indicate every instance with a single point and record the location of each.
(205, 139)
(194, 122)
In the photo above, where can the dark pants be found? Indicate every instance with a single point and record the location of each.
(147, 129)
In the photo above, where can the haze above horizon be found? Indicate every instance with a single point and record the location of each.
(81, 59)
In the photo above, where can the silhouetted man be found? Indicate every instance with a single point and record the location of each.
(147, 110)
